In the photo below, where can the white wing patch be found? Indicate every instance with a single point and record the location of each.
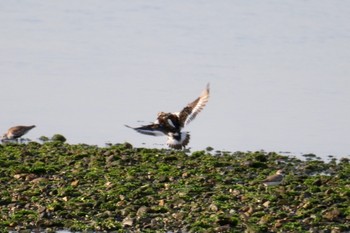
(151, 132)
(148, 130)
(171, 123)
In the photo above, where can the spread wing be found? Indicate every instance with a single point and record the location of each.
(190, 112)
(152, 129)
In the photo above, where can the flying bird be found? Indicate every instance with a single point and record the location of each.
(171, 124)
(16, 132)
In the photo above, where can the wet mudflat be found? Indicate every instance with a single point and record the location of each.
(119, 188)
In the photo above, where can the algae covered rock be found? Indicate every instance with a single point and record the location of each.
(121, 188)
(58, 138)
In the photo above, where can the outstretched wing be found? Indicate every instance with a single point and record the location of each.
(192, 109)
(152, 129)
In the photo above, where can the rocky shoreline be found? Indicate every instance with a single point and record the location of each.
(55, 185)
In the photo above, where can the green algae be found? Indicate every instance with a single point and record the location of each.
(119, 188)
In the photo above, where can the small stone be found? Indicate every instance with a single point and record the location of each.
(332, 214)
(110, 158)
(41, 209)
(128, 221)
(266, 204)
(182, 194)
(232, 211)
(278, 224)
(108, 184)
(58, 138)
(213, 207)
(141, 211)
(17, 176)
(235, 192)
(161, 202)
(249, 211)
(178, 216)
(120, 203)
(307, 205)
(31, 177)
(264, 219)
(74, 183)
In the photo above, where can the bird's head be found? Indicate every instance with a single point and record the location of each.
(163, 115)
(160, 114)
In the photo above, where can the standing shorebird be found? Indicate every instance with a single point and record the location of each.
(275, 179)
(171, 124)
(16, 132)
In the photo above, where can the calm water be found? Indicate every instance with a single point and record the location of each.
(279, 71)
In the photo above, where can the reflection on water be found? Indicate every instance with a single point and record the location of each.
(279, 71)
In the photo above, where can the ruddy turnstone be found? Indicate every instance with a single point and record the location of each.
(275, 179)
(16, 132)
(171, 124)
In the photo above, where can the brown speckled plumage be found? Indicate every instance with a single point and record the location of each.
(16, 132)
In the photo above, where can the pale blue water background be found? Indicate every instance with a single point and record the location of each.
(279, 71)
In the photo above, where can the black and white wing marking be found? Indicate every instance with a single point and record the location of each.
(178, 141)
(190, 112)
(152, 129)
(169, 121)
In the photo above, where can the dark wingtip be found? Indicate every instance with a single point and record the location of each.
(206, 91)
(128, 126)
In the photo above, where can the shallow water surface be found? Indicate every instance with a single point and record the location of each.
(278, 70)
